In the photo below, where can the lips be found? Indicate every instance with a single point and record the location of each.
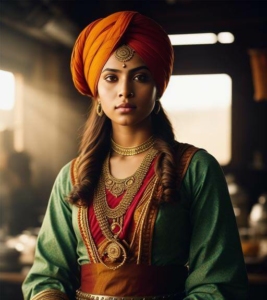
(125, 105)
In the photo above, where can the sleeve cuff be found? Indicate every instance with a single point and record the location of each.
(50, 294)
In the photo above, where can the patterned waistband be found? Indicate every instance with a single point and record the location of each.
(85, 296)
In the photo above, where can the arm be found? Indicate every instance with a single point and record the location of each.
(54, 273)
(216, 264)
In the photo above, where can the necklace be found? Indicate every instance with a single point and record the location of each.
(114, 185)
(131, 191)
(115, 249)
(128, 151)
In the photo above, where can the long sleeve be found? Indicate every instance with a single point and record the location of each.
(55, 266)
(216, 264)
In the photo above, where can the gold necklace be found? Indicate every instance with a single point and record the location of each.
(97, 254)
(120, 209)
(116, 249)
(114, 185)
(128, 151)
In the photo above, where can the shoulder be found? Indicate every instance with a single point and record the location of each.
(195, 156)
(205, 165)
(204, 173)
(66, 173)
(195, 164)
(66, 169)
(204, 159)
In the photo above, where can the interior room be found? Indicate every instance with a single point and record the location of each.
(220, 48)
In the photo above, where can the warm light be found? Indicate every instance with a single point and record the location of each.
(201, 38)
(193, 39)
(7, 90)
(199, 107)
(226, 37)
(61, 30)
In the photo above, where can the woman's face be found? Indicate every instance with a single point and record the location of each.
(127, 95)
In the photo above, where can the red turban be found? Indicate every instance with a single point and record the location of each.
(99, 40)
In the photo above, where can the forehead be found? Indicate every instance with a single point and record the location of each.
(134, 62)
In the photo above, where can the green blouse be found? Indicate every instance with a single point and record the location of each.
(199, 231)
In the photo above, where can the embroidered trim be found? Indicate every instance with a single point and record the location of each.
(85, 232)
(149, 229)
(86, 296)
(142, 241)
(184, 155)
(143, 227)
(73, 171)
(50, 294)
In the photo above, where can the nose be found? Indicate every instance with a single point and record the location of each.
(126, 94)
(126, 90)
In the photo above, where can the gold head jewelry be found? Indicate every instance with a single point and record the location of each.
(129, 151)
(124, 53)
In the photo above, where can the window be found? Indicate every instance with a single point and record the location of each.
(11, 108)
(199, 107)
(7, 90)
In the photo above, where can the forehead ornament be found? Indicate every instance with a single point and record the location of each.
(124, 53)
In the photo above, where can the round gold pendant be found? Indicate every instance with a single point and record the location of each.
(113, 251)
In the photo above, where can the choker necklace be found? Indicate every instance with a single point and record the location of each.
(129, 151)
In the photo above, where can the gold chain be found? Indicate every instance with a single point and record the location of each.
(129, 151)
(100, 201)
(116, 249)
(114, 244)
(114, 185)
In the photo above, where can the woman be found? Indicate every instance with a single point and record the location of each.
(137, 214)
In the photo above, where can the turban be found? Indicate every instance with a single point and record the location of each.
(99, 40)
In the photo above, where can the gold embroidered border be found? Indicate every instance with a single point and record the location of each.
(148, 234)
(50, 294)
(148, 227)
(84, 229)
(144, 242)
(184, 155)
(82, 215)
(73, 171)
(144, 234)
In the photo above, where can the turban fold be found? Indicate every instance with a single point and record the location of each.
(98, 41)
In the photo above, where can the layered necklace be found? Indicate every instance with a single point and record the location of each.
(111, 219)
(129, 151)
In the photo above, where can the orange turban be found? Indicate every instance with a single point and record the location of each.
(99, 40)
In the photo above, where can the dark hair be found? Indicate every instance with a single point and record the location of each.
(95, 146)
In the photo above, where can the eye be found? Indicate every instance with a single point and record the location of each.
(111, 78)
(142, 77)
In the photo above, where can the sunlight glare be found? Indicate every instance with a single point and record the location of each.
(7, 90)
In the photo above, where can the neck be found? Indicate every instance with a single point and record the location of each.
(131, 136)
(130, 151)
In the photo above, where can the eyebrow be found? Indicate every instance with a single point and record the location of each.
(132, 70)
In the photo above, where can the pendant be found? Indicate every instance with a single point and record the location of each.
(113, 251)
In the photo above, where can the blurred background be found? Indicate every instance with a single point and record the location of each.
(217, 99)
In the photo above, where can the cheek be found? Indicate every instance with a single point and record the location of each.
(106, 93)
(101, 91)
